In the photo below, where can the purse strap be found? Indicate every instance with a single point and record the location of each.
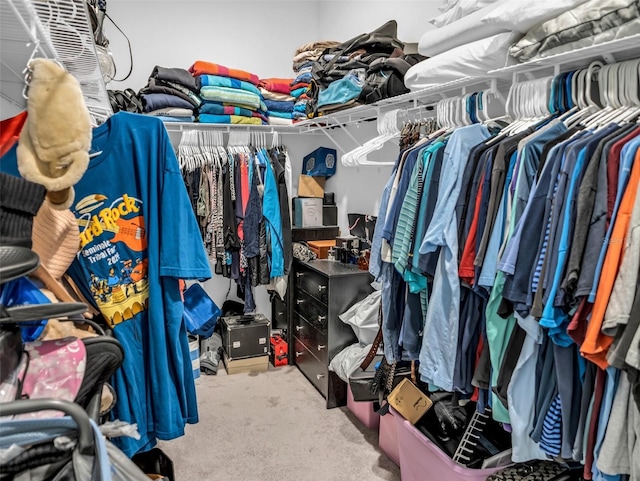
(376, 343)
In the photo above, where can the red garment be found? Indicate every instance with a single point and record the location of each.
(466, 271)
(278, 85)
(299, 85)
(10, 131)
(593, 423)
(201, 67)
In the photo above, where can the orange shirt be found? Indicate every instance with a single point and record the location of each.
(596, 345)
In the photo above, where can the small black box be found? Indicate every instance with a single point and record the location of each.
(245, 336)
(329, 215)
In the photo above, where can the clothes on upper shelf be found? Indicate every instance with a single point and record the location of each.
(135, 224)
(277, 85)
(277, 99)
(497, 34)
(201, 67)
(171, 88)
(503, 258)
(228, 96)
(240, 197)
(590, 23)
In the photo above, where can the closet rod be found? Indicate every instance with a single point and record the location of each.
(227, 128)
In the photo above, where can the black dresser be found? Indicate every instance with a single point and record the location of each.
(320, 291)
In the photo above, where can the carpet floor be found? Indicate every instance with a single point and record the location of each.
(274, 426)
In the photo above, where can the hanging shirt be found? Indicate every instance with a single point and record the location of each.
(555, 318)
(440, 335)
(271, 212)
(596, 344)
(138, 236)
(627, 157)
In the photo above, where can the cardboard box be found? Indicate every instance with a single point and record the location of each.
(321, 247)
(307, 212)
(249, 364)
(311, 187)
(409, 401)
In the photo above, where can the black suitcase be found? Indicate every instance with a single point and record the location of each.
(245, 336)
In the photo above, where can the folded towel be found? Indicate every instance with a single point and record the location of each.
(281, 115)
(300, 107)
(279, 121)
(217, 81)
(176, 75)
(305, 66)
(276, 96)
(278, 106)
(215, 108)
(299, 115)
(157, 86)
(172, 112)
(240, 98)
(229, 119)
(302, 78)
(201, 67)
(320, 44)
(279, 85)
(156, 101)
(299, 91)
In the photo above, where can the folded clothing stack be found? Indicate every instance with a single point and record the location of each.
(171, 94)
(277, 98)
(228, 96)
(303, 60)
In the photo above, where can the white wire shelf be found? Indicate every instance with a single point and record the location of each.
(226, 128)
(614, 51)
(59, 30)
(416, 102)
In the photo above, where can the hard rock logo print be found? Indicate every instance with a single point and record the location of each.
(113, 251)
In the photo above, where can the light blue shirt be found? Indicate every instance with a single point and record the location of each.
(437, 358)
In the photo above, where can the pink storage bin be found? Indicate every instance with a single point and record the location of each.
(388, 437)
(363, 411)
(421, 460)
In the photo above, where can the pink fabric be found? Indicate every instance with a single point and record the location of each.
(56, 369)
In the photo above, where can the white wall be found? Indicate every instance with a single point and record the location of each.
(342, 20)
(260, 36)
(255, 35)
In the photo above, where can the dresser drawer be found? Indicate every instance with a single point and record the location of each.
(312, 310)
(313, 339)
(313, 283)
(311, 367)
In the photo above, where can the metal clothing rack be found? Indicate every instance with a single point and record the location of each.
(56, 29)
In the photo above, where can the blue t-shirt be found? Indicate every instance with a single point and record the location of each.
(138, 236)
